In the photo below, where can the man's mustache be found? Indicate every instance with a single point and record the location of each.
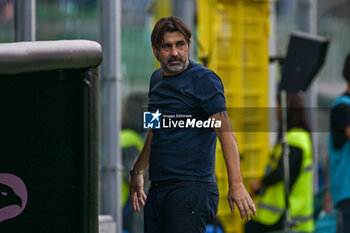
(177, 58)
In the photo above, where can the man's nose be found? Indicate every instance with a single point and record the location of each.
(174, 52)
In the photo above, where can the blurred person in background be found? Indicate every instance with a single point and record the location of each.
(339, 155)
(270, 191)
(6, 10)
(131, 141)
(183, 196)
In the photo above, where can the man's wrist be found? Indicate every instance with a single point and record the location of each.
(135, 172)
(235, 181)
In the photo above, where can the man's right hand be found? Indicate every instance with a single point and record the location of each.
(136, 192)
(136, 186)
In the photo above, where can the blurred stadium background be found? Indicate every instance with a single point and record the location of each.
(265, 27)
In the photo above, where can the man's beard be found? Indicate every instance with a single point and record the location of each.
(172, 68)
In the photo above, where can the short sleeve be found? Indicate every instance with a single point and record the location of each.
(341, 117)
(210, 92)
(150, 94)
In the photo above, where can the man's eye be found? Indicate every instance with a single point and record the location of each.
(180, 44)
(165, 46)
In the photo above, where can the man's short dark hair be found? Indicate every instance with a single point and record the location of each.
(346, 69)
(169, 24)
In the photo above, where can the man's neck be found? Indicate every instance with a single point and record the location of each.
(348, 89)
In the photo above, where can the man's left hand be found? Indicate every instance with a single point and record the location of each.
(239, 195)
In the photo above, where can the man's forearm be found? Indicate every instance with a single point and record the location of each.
(229, 148)
(231, 155)
(143, 159)
(237, 192)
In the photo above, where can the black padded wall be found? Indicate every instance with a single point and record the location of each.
(48, 141)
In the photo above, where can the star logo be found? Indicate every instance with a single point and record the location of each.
(151, 120)
(156, 115)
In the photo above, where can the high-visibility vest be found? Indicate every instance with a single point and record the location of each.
(129, 138)
(271, 202)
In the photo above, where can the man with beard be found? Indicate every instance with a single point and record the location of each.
(183, 196)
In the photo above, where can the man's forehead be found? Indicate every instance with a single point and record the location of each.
(170, 37)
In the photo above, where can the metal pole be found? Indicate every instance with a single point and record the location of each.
(273, 74)
(284, 114)
(110, 102)
(185, 10)
(308, 23)
(24, 20)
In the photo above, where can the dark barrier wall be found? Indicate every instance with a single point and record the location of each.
(48, 153)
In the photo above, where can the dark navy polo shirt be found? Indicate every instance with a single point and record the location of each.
(187, 154)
